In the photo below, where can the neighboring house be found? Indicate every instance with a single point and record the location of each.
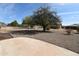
(74, 26)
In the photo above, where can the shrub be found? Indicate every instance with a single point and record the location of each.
(69, 31)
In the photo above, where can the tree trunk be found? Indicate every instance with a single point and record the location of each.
(44, 28)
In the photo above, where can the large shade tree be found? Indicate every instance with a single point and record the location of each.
(45, 17)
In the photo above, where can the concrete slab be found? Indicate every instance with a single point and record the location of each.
(22, 46)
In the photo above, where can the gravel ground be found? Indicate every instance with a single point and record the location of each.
(5, 36)
(59, 38)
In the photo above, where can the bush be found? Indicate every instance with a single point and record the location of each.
(69, 31)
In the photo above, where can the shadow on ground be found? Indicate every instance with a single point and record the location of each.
(29, 32)
(76, 33)
(67, 34)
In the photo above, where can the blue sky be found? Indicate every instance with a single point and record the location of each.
(69, 12)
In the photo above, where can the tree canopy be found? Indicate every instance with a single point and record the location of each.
(27, 21)
(14, 23)
(45, 17)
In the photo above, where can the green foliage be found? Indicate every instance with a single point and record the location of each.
(14, 23)
(45, 17)
(27, 22)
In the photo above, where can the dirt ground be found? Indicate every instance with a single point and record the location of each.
(57, 37)
(4, 36)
